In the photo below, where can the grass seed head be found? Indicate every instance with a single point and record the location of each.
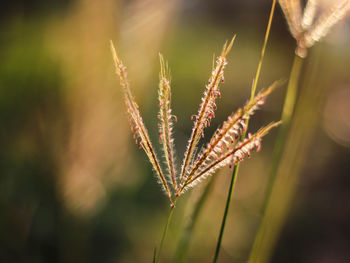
(224, 148)
(305, 27)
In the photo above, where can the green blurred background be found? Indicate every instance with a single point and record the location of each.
(75, 188)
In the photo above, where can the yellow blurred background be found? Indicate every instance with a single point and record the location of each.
(75, 188)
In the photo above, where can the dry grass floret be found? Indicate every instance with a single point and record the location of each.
(304, 27)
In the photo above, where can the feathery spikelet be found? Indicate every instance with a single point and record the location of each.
(207, 107)
(290, 13)
(166, 120)
(302, 26)
(235, 155)
(228, 135)
(137, 126)
(226, 145)
(309, 14)
(295, 6)
(325, 22)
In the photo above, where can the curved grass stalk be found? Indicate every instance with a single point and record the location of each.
(236, 167)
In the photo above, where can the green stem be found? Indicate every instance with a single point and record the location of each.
(236, 168)
(171, 211)
(267, 34)
(185, 239)
(285, 169)
(287, 114)
(227, 207)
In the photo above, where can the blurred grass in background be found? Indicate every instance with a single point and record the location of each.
(74, 187)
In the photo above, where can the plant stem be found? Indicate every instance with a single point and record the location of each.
(171, 211)
(267, 34)
(236, 168)
(184, 242)
(287, 114)
(299, 127)
(286, 117)
(227, 206)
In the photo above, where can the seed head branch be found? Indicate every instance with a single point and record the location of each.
(137, 126)
(225, 147)
(326, 22)
(228, 135)
(207, 107)
(301, 23)
(309, 14)
(288, 11)
(234, 155)
(166, 120)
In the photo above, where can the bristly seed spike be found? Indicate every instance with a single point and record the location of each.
(166, 121)
(229, 132)
(114, 53)
(206, 108)
(140, 131)
(263, 131)
(228, 48)
(224, 148)
(305, 28)
(238, 153)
